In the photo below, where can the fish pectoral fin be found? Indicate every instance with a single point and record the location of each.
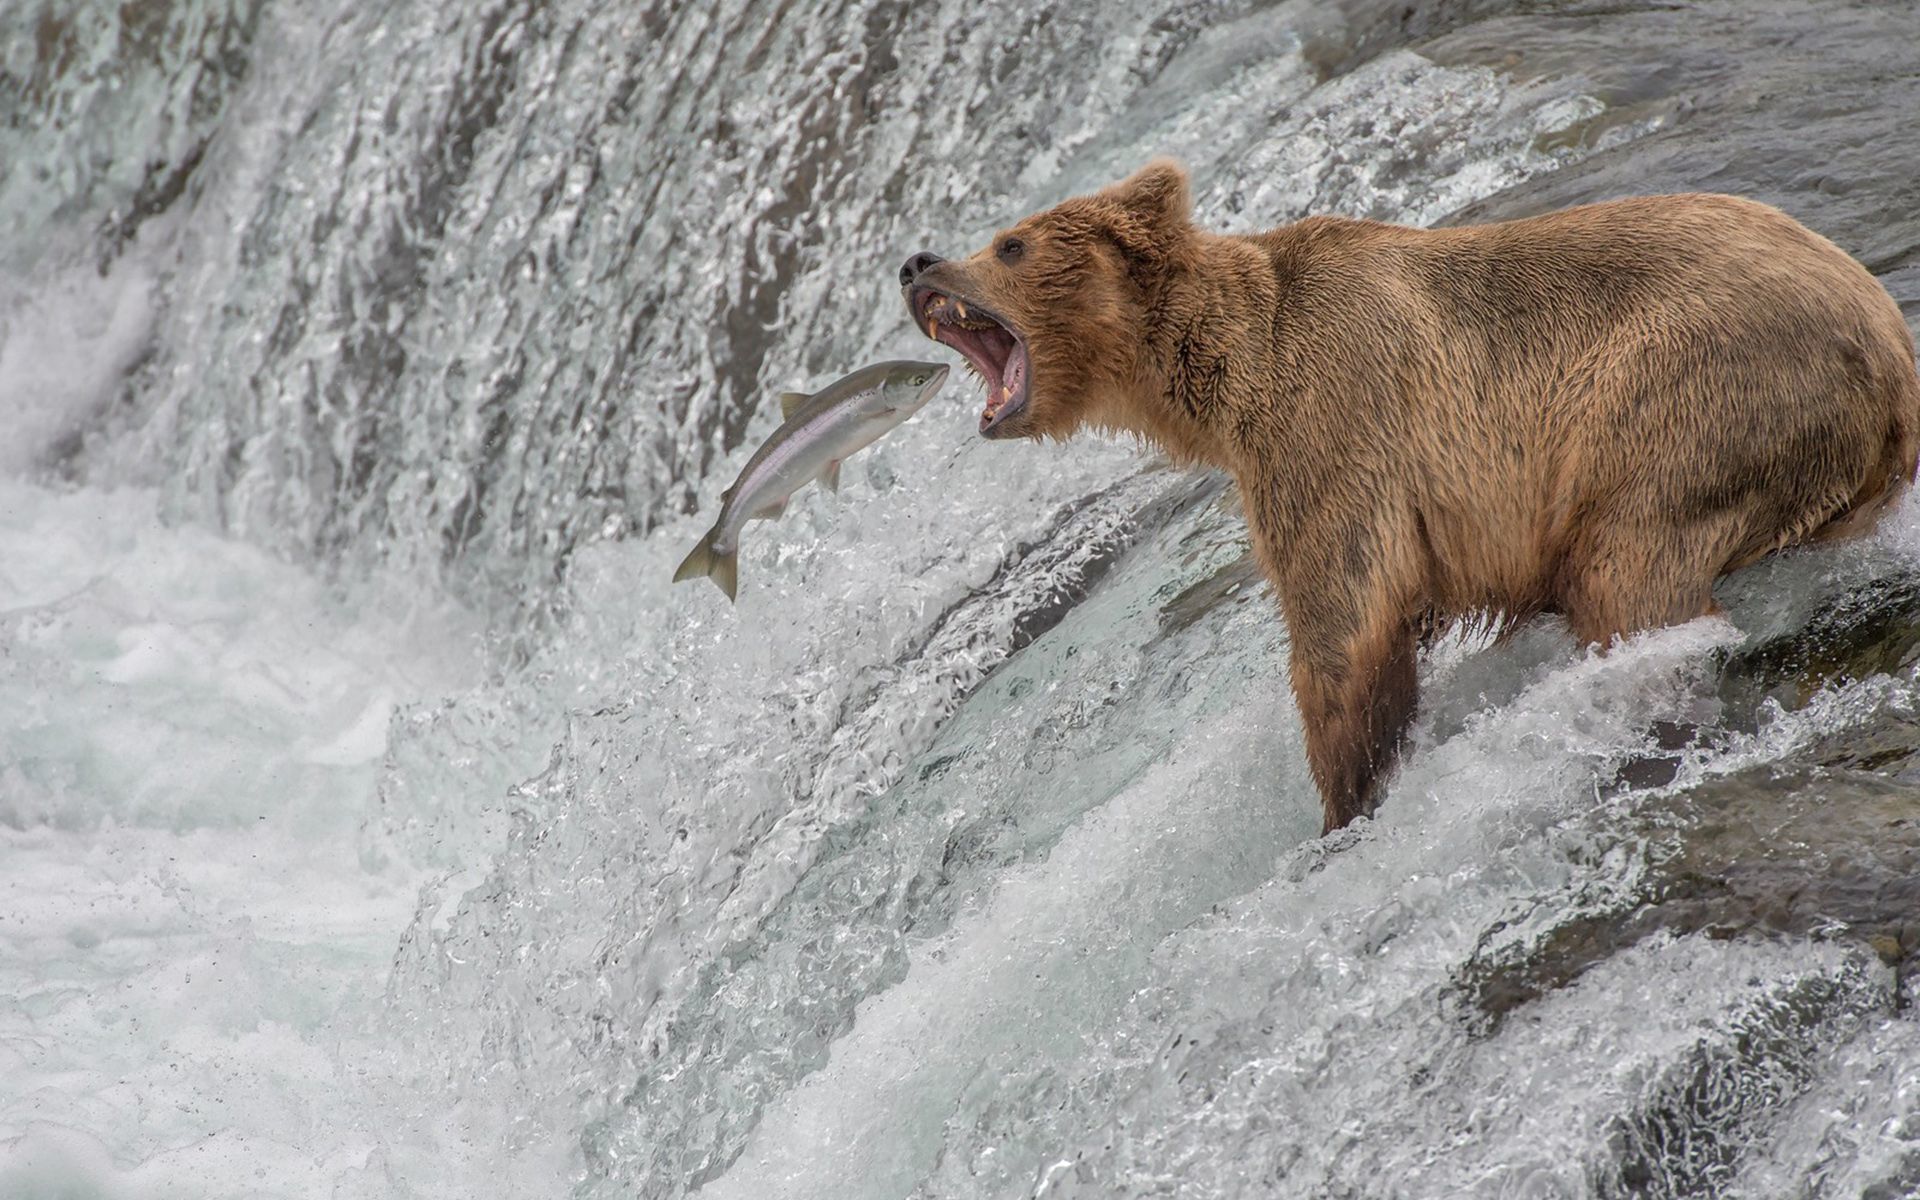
(790, 403)
(830, 478)
(768, 512)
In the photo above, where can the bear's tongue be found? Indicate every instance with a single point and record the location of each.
(1011, 391)
(986, 347)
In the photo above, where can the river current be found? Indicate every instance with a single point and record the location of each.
(377, 820)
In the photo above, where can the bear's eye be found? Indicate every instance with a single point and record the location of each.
(1010, 250)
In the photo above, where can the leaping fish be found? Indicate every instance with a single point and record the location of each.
(819, 433)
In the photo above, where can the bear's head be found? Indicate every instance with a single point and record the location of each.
(1052, 313)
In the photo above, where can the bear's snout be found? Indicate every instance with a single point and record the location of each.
(910, 270)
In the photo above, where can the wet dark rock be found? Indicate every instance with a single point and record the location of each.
(1872, 629)
(1757, 98)
(1825, 844)
(1686, 1135)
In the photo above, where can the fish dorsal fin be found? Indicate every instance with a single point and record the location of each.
(790, 403)
(830, 478)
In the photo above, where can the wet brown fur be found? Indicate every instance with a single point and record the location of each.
(1595, 412)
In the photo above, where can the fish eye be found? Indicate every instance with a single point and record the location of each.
(921, 378)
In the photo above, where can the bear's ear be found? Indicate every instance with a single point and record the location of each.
(1155, 194)
(1151, 209)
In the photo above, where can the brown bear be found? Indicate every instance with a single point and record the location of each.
(1595, 412)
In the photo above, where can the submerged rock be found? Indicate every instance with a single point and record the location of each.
(1871, 629)
(1686, 1134)
(1824, 843)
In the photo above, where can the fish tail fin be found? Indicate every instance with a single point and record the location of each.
(725, 571)
(697, 562)
(703, 559)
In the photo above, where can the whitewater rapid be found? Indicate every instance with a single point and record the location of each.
(193, 738)
(377, 819)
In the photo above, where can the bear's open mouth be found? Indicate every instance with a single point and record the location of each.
(989, 343)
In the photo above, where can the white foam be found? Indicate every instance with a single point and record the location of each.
(191, 946)
(66, 339)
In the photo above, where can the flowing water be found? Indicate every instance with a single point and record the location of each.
(377, 820)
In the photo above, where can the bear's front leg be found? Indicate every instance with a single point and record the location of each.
(1350, 618)
(1357, 691)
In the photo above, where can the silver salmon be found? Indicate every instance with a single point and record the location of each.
(819, 433)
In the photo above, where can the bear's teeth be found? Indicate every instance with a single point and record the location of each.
(960, 306)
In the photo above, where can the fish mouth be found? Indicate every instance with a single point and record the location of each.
(991, 345)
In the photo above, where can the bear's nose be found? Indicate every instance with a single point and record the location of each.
(918, 263)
